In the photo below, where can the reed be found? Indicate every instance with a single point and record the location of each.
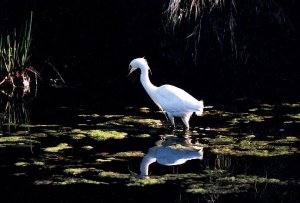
(223, 21)
(14, 49)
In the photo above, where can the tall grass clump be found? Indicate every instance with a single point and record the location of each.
(15, 51)
(229, 25)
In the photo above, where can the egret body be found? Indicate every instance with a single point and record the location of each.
(170, 99)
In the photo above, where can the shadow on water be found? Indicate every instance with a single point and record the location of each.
(233, 153)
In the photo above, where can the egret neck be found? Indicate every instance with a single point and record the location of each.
(148, 86)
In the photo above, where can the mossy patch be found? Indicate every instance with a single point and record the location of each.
(76, 171)
(68, 181)
(294, 116)
(111, 174)
(22, 164)
(87, 147)
(146, 181)
(130, 121)
(59, 147)
(260, 148)
(17, 141)
(101, 135)
(128, 154)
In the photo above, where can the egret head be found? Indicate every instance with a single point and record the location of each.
(140, 63)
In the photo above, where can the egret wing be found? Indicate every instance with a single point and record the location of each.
(174, 99)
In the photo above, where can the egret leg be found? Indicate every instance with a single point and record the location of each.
(185, 121)
(172, 120)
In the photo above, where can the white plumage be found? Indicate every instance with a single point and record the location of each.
(170, 99)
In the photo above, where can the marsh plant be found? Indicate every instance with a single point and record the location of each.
(15, 56)
(225, 25)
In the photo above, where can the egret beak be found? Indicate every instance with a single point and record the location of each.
(131, 70)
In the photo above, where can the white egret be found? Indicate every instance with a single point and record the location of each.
(170, 99)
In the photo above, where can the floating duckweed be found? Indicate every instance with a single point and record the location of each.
(101, 135)
(103, 160)
(113, 116)
(219, 129)
(78, 136)
(87, 147)
(267, 105)
(287, 140)
(144, 110)
(140, 120)
(110, 174)
(247, 118)
(253, 109)
(216, 189)
(39, 135)
(218, 113)
(147, 181)
(129, 121)
(13, 139)
(215, 172)
(220, 139)
(294, 116)
(143, 136)
(244, 179)
(250, 136)
(70, 181)
(39, 163)
(61, 146)
(76, 171)
(86, 115)
(294, 105)
(16, 141)
(22, 164)
(129, 154)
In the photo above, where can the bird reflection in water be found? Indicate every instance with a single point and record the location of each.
(170, 151)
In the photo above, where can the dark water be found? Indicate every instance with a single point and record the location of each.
(57, 147)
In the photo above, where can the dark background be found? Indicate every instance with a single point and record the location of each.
(92, 42)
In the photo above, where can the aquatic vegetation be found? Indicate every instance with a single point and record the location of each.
(99, 135)
(17, 141)
(220, 139)
(87, 147)
(244, 179)
(89, 116)
(68, 181)
(103, 160)
(59, 147)
(130, 121)
(144, 110)
(128, 154)
(98, 164)
(142, 136)
(111, 174)
(294, 116)
(146, 181)
(22, 164)
(78, 136)
(249, 147)
(76, 171)
(291, 105)
(248, 117)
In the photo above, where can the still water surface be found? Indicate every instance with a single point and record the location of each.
(53, 150)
